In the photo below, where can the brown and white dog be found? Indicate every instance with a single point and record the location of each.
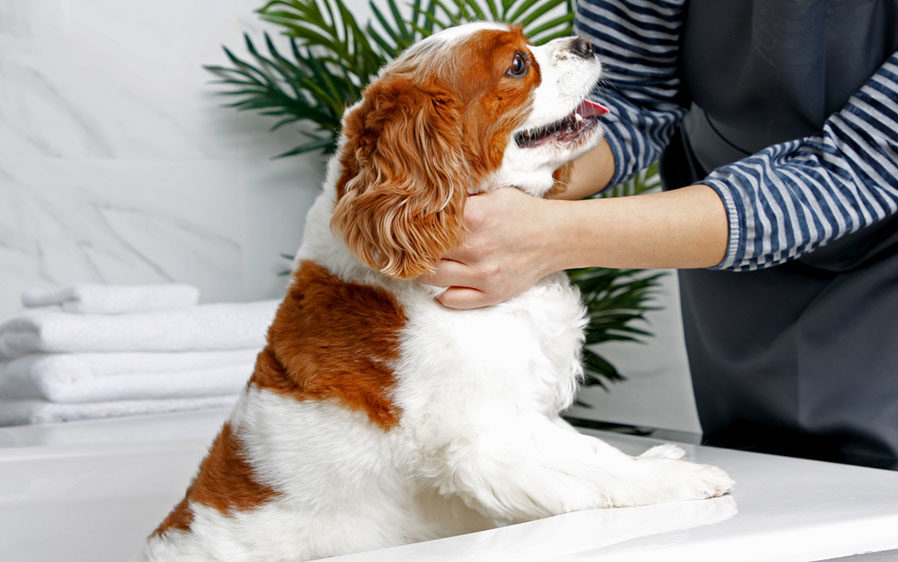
(376, 417)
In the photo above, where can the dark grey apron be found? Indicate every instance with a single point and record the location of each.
(799, 359)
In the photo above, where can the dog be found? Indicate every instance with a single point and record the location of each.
(376, 417)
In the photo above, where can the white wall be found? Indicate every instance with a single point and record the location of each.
(118, 165)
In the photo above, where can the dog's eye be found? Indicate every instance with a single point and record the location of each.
(519, 66)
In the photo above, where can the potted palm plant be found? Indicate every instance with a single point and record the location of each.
(328, 58)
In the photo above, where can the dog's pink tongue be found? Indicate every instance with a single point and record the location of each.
(591, 109)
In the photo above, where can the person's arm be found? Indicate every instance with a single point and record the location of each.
(781, 203)
(636, 40)
(516, 239)
(794, 197)
(683, 228)
(638, 44)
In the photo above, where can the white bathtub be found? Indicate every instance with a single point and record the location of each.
(92, 491)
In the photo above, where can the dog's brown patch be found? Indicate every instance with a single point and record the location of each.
(225, 481)
(333, 340)
(495, 104)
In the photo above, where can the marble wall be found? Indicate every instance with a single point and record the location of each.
(118, 163)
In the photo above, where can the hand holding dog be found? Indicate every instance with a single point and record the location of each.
(512, 243)
(514, 240)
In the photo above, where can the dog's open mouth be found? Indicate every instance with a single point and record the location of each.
(568, 129)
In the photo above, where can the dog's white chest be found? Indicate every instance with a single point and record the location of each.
(524, 353)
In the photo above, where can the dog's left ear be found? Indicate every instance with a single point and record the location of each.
(401, 195)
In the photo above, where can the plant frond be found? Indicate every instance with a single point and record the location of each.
(311, 146)
(520, 8)
(558, 27)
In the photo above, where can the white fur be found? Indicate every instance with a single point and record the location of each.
(479, 439)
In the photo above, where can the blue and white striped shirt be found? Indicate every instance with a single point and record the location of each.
(782, 202)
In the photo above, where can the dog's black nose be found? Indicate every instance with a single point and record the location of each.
(582, 48)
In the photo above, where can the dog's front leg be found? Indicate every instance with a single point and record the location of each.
(521, 467)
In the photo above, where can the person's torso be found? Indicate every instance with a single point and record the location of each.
(761, 72)
(768, 71)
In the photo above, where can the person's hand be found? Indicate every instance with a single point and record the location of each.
(511, 244)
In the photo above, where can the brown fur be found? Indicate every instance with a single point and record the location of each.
(495, 104)
(403, 184)
(225, 481)
(331, 340)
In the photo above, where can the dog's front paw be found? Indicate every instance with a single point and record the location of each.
(664, 451)
(671, 480)
(703, 481)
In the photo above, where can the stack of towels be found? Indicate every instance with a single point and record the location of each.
(96, 351)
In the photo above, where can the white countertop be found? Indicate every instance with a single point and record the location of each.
(91, 491)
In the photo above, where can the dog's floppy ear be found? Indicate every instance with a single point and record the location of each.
(401, 194)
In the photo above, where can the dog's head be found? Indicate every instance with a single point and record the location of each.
(467, 109)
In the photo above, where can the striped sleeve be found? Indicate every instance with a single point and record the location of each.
(794, 197)
(637, 42)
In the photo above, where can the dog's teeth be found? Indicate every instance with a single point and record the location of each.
(578, 117)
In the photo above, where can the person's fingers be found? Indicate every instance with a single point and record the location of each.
(447, 273)
(464, 298)
(464, 254)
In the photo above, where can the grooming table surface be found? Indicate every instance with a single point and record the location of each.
(91, 491)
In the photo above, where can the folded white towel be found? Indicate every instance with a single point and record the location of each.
(23, 412)
(113, 299)
(198, 328)
(92, 377)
